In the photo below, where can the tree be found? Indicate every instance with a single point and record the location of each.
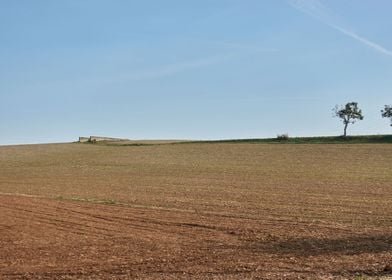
(387, 112)
(349, 113)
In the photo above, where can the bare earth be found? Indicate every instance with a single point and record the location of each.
(199, 211)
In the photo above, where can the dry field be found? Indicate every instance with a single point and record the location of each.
(196, 211)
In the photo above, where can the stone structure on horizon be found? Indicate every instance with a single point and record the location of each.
(98, 139)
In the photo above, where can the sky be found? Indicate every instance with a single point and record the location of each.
(197, 69)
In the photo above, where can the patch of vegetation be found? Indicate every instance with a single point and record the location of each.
(363, 139)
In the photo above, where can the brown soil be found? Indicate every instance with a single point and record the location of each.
(51, 239)
(196, 211)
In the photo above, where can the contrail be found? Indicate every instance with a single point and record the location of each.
(317, 10)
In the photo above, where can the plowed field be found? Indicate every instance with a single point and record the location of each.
(196, 211)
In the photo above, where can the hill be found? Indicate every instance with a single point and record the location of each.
(361, 139)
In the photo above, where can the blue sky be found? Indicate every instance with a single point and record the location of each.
(205, 69)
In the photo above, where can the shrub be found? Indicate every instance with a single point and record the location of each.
(284, 137)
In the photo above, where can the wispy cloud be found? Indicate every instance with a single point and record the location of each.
(317, 10)
(171, 69)
(232, 51)
(224, 53)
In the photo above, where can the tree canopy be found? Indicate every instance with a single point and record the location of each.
(387, 112)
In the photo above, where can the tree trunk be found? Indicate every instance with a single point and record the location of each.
(345, 129)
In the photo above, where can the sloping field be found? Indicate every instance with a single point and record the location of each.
(204, 211)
